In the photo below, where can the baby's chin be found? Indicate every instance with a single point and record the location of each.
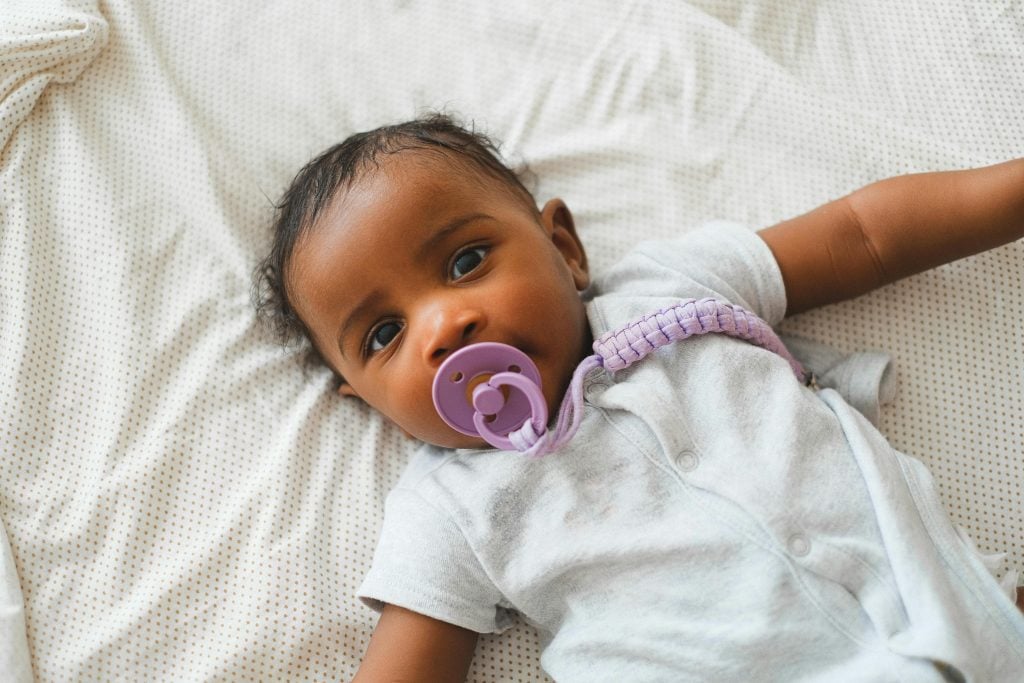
(449, 438)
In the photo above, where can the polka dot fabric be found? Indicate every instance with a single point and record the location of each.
(184, 502)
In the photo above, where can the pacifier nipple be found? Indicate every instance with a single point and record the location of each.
(488, 400)
(488, 390)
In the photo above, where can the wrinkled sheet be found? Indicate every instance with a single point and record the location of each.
(184, 502)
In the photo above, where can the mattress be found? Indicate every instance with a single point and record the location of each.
(183, 500)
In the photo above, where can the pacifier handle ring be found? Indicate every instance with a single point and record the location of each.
(538, 408)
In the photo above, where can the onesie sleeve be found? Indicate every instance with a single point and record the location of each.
(424, 563)
(720, 259)
(732, 260)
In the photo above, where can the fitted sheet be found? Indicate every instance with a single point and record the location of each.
(184, 502)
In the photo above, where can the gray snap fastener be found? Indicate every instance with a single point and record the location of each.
(799, 545)
(687, 460)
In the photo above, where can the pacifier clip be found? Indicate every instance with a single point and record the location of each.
(492, 390)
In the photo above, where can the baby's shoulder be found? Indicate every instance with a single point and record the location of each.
(423, 462)
(720, 260)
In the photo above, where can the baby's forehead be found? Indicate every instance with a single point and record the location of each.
(427, 180)
(425, 189)
(433, 166)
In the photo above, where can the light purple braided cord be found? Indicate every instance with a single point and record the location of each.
(690, 317)
(620, 348)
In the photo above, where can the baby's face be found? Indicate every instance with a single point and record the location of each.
(422, 256)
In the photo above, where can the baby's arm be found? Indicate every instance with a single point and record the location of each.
(408, 646)
(895, 228)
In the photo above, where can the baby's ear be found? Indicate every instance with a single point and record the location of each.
(558, 220)
(345, 389)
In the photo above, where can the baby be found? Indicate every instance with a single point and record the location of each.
(713, 518)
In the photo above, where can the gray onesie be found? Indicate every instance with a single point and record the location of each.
(713, 519)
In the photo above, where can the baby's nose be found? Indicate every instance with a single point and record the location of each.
(451, 333)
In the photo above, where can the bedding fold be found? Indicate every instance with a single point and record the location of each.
(15, 662)
(43, 42)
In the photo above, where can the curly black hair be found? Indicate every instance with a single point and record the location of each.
(337, 168)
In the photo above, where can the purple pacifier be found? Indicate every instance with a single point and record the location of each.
(471, 392)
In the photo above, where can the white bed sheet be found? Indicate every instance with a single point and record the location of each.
(184, 503)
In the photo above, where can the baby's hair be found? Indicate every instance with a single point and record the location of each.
(338, 168)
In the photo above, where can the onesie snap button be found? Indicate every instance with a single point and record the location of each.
(595, 389)
(799, 545)
(687, 460)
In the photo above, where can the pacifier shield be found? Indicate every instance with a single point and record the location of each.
(457, 378)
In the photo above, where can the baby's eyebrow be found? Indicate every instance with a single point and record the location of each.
(368, 301)
(445, 230)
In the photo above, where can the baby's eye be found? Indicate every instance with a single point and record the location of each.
(382, 335)
(467, 261)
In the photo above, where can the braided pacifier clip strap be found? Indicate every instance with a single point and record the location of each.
(621, 348)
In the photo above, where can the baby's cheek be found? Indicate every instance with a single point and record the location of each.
(428, 426)
(416, 416)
